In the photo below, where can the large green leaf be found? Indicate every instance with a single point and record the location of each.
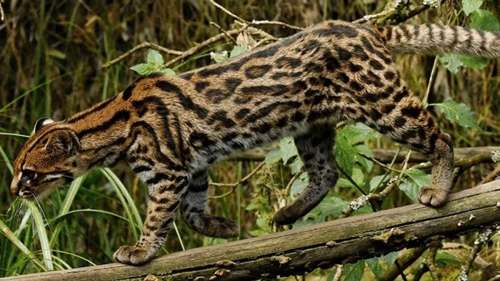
(470, 6)
(452, 62)
(413, 182)
(349, 143)
(376, 268)
(345, 153)
(484, 20)
(288, 149)
(354, 272)
(458, 113)
(299, 184)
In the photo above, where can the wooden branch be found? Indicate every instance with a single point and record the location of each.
(463, 156)
(302, 250)
(140, 47)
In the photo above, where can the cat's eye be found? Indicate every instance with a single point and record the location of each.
(28, 175)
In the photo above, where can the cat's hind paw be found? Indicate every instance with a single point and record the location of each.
(133, 255)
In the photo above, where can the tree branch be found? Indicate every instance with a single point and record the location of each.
(302, 250)
(463, 156)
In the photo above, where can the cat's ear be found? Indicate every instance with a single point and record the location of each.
(63, 141)
(40, 123)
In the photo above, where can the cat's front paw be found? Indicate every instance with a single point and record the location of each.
(133, 255)
(433, 197)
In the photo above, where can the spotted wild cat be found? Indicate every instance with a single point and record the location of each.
(170, 129)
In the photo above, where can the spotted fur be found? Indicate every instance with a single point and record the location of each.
(170, 129)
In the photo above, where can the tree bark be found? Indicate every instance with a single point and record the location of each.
(302, 250)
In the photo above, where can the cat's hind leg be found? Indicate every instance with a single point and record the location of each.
(315, 150)
(193, 210)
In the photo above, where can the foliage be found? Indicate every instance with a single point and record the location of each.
(154, 64)
(458, 113)
(480, 19)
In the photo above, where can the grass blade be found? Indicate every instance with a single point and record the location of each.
(6, 160)
(42, 235)
(5, 230)
(125, 198)
(68, 201)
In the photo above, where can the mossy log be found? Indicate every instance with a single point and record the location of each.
(302, 250)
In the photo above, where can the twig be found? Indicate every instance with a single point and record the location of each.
(432, 78)
(406, 258)
(202, 45)
(393, 11)
(234, 185)
(393, 182)
(2, 15)
(139, 47)
(254, 22)
(492, 175)
(275, 22)
(223, 31)
(290, 182)
(228, 12)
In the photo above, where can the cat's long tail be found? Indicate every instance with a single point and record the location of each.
(435, 38)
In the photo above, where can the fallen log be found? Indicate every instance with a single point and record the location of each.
(302, 250)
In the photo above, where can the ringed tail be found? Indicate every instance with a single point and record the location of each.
(436, 39)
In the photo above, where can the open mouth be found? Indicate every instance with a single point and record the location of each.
(26, 194)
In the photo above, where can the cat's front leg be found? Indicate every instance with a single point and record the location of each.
(165, 192)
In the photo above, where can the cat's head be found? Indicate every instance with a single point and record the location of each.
(48, 159)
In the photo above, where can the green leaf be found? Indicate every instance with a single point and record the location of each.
(288, 149)
(237, 50)
(377, 181)
(144, 69)
(458, 113)
(219, 56)
(354, 272)
(452, 62)
(167, 71)
(470, 6)
(273, 156)
(390, 258)
(375, 267)
(296, 165)
(484, 20)
(474, 62)
(154, 57)
(344, 153)
(299, 184)
(358, 133)
(413, 182)
(418, 176)
(332, 206)
(445, 259)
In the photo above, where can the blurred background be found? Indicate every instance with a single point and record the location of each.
(51, 64)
